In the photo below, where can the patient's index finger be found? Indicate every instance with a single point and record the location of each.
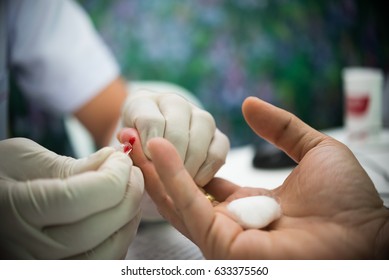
(197, 212)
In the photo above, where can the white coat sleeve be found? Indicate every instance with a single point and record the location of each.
(59, 59)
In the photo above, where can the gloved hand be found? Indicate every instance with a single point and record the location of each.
(201, 146)
(55, 207)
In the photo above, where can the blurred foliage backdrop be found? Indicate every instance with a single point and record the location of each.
(288, 52)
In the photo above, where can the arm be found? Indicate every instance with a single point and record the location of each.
(101, 119)
(61, 63)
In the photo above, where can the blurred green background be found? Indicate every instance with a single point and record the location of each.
(288, 52)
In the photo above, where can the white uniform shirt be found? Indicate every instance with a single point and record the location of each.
(54, 53)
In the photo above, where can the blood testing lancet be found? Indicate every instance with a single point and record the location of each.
(127, 146)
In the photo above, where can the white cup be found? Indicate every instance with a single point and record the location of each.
(363, 103)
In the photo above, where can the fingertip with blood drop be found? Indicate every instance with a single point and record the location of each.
(127, 135)
(126, 139)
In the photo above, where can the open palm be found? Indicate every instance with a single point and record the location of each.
(327, 214)
(330, 207)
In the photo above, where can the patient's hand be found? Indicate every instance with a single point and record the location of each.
(330, 207)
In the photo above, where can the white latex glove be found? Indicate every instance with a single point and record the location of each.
(55, 207)
(202, 147)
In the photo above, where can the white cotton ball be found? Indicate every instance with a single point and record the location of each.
(255, 211)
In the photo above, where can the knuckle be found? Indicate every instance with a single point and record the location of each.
(205, 117)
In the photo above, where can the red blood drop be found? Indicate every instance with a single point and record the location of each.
(127, 148)
(132, 140)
